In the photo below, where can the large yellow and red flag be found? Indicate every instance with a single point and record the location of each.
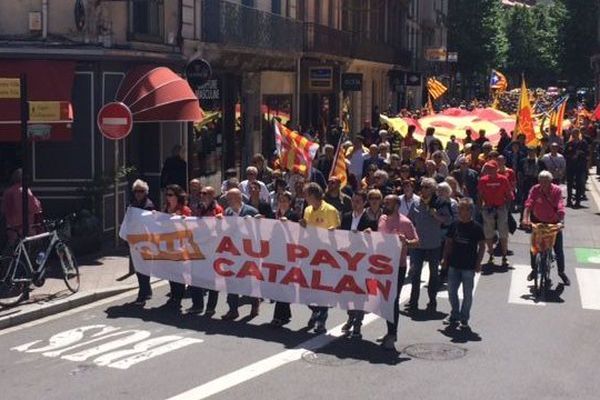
(524, 123)
(296, 152)
(339, 167)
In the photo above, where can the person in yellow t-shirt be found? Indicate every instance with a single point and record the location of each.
(319, 213)
(322, 215)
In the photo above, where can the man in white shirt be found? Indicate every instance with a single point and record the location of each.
(555, 163)
(251, 176)
(357, 157)
(409, 199)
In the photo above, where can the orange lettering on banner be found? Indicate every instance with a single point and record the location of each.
(218, 267)
(273, 269)
(348, 284)
(380, 265)
(352, 260)
(296, 251)
(295, 275)
(375, 286)
(172, 246)
(315, 282)
(264, 249)
(226, 246)
(324, 257)
(249, 268)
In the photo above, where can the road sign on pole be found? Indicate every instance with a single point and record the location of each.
(115, 121)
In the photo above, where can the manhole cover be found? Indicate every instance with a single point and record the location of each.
(327, 360)
(435, 351)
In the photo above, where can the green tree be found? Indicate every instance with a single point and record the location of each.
(476, 32)
(522, 56)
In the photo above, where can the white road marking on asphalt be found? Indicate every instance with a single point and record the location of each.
(520, 290)
(444, 294)
(266, 365)
(589, 287)
(73, 311)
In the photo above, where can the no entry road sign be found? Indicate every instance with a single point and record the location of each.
(115, 121)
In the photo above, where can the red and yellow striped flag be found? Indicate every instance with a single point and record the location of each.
(435, 88)
(339, 168)
(295, 151)
(557, 116)
(524, 123)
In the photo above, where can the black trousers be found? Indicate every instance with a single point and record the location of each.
(283, 311)
(197, 295)
(575, 181)
(392, 327)
(145, 290)
(177, 292)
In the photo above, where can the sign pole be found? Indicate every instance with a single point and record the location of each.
(24, 155)
(116, 183)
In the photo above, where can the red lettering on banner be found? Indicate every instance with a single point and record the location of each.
(249, 268)
(375, 286)
(218, 267)
(352, 260)
(226, 246)
(380, 265)
(315, 282)
(264, 249)
(296, 251)
(295, 275)
(348, 284)
(324, 257)
(273, 269)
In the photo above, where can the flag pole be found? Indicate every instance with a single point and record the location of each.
(337, 155)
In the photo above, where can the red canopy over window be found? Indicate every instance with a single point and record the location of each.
(157, 94)
(46, 81)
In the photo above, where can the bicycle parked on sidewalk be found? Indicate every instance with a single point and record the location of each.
(543, 237)
(18, 270)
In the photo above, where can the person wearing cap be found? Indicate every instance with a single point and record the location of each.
(495, 195)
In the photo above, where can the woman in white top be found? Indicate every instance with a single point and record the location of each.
(408, 199)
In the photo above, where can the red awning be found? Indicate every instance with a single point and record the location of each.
(47, 81)
(157, 94)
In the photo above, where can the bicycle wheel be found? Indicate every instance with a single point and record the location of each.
(68, 266)
(537, 276)
(11, 292)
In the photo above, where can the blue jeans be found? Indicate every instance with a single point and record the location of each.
(457, 277)
(417, 258)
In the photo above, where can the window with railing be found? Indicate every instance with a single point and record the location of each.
(146, 20)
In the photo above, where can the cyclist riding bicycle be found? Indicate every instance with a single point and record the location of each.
(545, 205)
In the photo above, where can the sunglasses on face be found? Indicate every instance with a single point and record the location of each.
(170, 194)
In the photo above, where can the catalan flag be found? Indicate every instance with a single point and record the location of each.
(498, 81)
(339, 167)
(557, 114)
(524, 122)
(435, 88)
(295, 151)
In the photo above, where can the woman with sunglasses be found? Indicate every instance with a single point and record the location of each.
(141, 200)
(373, 208)
(175, 205)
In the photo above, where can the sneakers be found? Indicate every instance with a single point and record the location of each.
(195, 310)
(564, 278)
(231, 315)
(450, 321)
(464, 325)
(389, 342)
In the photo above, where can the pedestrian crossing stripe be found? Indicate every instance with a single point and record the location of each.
(589, 287)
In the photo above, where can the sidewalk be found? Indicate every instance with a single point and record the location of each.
(102, 275)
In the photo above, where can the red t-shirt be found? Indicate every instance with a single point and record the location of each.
(495, 191)
(510, 175)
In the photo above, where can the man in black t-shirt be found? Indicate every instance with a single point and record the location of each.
(463, 252)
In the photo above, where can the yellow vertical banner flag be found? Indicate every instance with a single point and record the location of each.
(339, 168)
(524, 123)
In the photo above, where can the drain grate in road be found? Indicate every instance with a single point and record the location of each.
(435, 351)
(327, 360)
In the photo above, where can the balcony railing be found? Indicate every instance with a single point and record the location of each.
(323, 39)
(367, 49)
(228, 23)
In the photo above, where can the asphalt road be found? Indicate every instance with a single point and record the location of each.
(517, 349)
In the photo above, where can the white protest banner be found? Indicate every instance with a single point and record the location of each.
(271, 259)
